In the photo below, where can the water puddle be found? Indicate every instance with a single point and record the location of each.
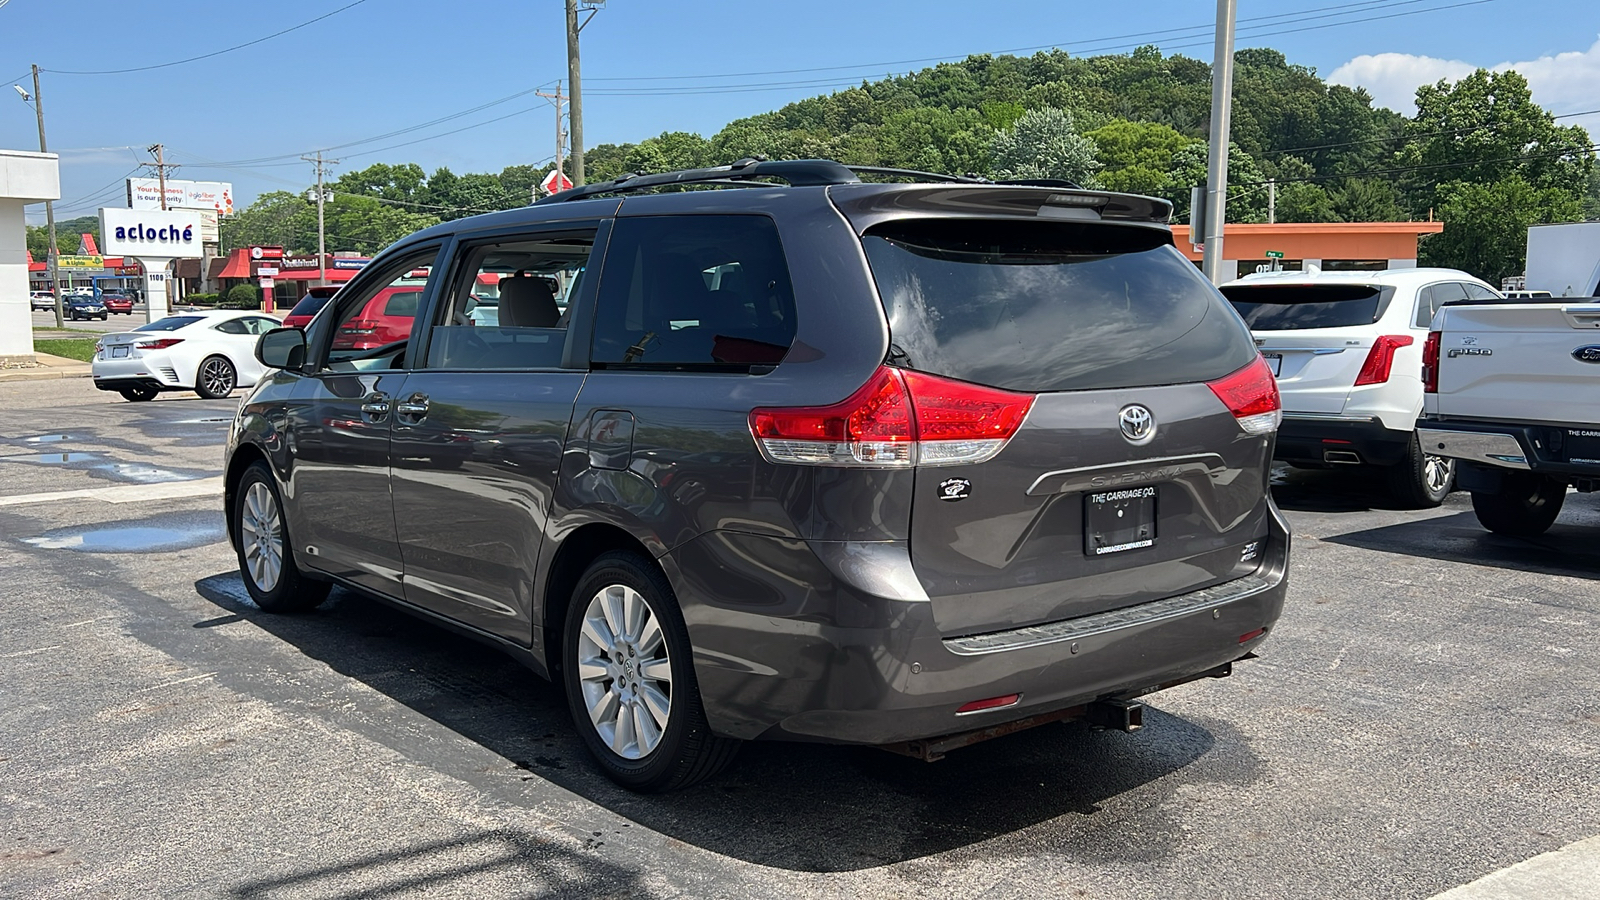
(52, 459)
(154, 535)
(210, 420)
(140, 473)
(49, 438)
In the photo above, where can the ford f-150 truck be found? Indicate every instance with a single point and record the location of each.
(1512, 393)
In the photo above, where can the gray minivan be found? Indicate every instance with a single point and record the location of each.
(801, 458)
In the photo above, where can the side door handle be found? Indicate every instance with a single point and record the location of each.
(375, 408)
(412, 409)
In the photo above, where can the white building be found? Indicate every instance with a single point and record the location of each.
(25, 177)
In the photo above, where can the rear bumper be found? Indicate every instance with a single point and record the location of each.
(1496, 446)
(1319, 439)
(815, 656)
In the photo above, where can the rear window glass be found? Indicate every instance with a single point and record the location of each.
(1293, 307)
(694, 292)
(402, 304)
(1050, 306)
(310, 304)
(170, 323)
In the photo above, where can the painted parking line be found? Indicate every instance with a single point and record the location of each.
(1570, 873)
(130, 493)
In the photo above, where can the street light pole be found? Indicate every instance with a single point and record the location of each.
(53, 263)
(1221, 114)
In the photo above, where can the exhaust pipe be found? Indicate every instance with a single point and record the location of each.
(1117, 715)
(1341, 457)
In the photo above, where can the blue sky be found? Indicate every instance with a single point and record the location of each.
(381, 66)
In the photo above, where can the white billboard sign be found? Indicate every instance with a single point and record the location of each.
(151, 234)
(217, 196)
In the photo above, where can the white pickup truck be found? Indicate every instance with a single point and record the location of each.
(1512, 393)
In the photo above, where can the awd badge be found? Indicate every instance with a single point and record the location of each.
(954, 489)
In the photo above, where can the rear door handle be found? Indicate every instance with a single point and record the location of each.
(375, 407)
(412, 408)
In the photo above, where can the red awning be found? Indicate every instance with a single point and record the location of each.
(238, 264)
(38, 267)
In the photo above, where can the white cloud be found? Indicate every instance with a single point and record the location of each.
(1562, 83)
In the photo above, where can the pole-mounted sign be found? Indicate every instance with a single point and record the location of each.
(155, 238)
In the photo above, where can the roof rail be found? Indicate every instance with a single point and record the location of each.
(797, 172)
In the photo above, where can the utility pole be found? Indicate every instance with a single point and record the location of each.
(574, 75)
(1221, 115)
(161, 166)
(561, 132)
(1272, 201)
(53, 263)
(322, 239)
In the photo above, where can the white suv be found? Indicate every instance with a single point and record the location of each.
(1347, 350)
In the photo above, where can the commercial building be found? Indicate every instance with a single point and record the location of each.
(25, 177)
(1331, 246)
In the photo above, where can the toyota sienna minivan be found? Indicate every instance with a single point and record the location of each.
(790, 457)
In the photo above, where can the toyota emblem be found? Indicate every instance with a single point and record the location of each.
(1138, 425)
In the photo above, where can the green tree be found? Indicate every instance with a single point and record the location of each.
(275, 219)
(1486, 225)
(1044, 144)
(1137, 155)
(1486, 129)
(1247, 189)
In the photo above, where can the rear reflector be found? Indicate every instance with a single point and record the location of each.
(1430, 363)
(159, 344)
(991, 703)
(899, 418)
(1249, 636)
(1251, 394)
(1380, 359)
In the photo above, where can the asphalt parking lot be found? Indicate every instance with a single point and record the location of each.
(1424, 714)
(112, 323)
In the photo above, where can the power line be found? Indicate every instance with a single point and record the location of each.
(214, 53)
(1424, 134)
(1571, 151)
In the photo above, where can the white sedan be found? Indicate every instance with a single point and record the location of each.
(208, 352)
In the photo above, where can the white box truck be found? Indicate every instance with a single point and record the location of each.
(1564, 259)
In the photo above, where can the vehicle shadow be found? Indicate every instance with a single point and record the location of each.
(537, 867)
(1568, 548)
(804, 807)
(1350, 489)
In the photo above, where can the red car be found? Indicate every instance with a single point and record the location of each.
(385, 319)
(120, 304)
(312, 303)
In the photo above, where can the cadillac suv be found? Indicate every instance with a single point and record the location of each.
(876, 463)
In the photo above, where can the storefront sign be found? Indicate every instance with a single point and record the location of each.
(170, 234)
(350, 262)
(299, 262)
(80, 262)
(266, 253)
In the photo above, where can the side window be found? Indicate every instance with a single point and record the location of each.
(694, 292)
(232, 326)
(379, 315)
(1429, 299)
(507, 303)
(1479, 292)
(259, 324)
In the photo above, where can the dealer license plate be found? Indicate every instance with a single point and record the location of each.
(1274, 362)
(1120, 520)
(119, 352)
(1583, 446)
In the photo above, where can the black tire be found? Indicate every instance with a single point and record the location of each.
(1421, 481)
(1526, 505)
(292, 591)
(687, 751)
(216, 378)
(138, 394)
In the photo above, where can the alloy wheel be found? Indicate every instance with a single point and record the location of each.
(624, 671)
(261, 535)
(217, 376)
(1436, 472)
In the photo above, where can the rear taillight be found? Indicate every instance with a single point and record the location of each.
(897, 419)
(158, 344)
(1380, 359)
(1251, 394)
(360, 326)
(1430, 363)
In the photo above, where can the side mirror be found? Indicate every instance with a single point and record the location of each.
(282, 348)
